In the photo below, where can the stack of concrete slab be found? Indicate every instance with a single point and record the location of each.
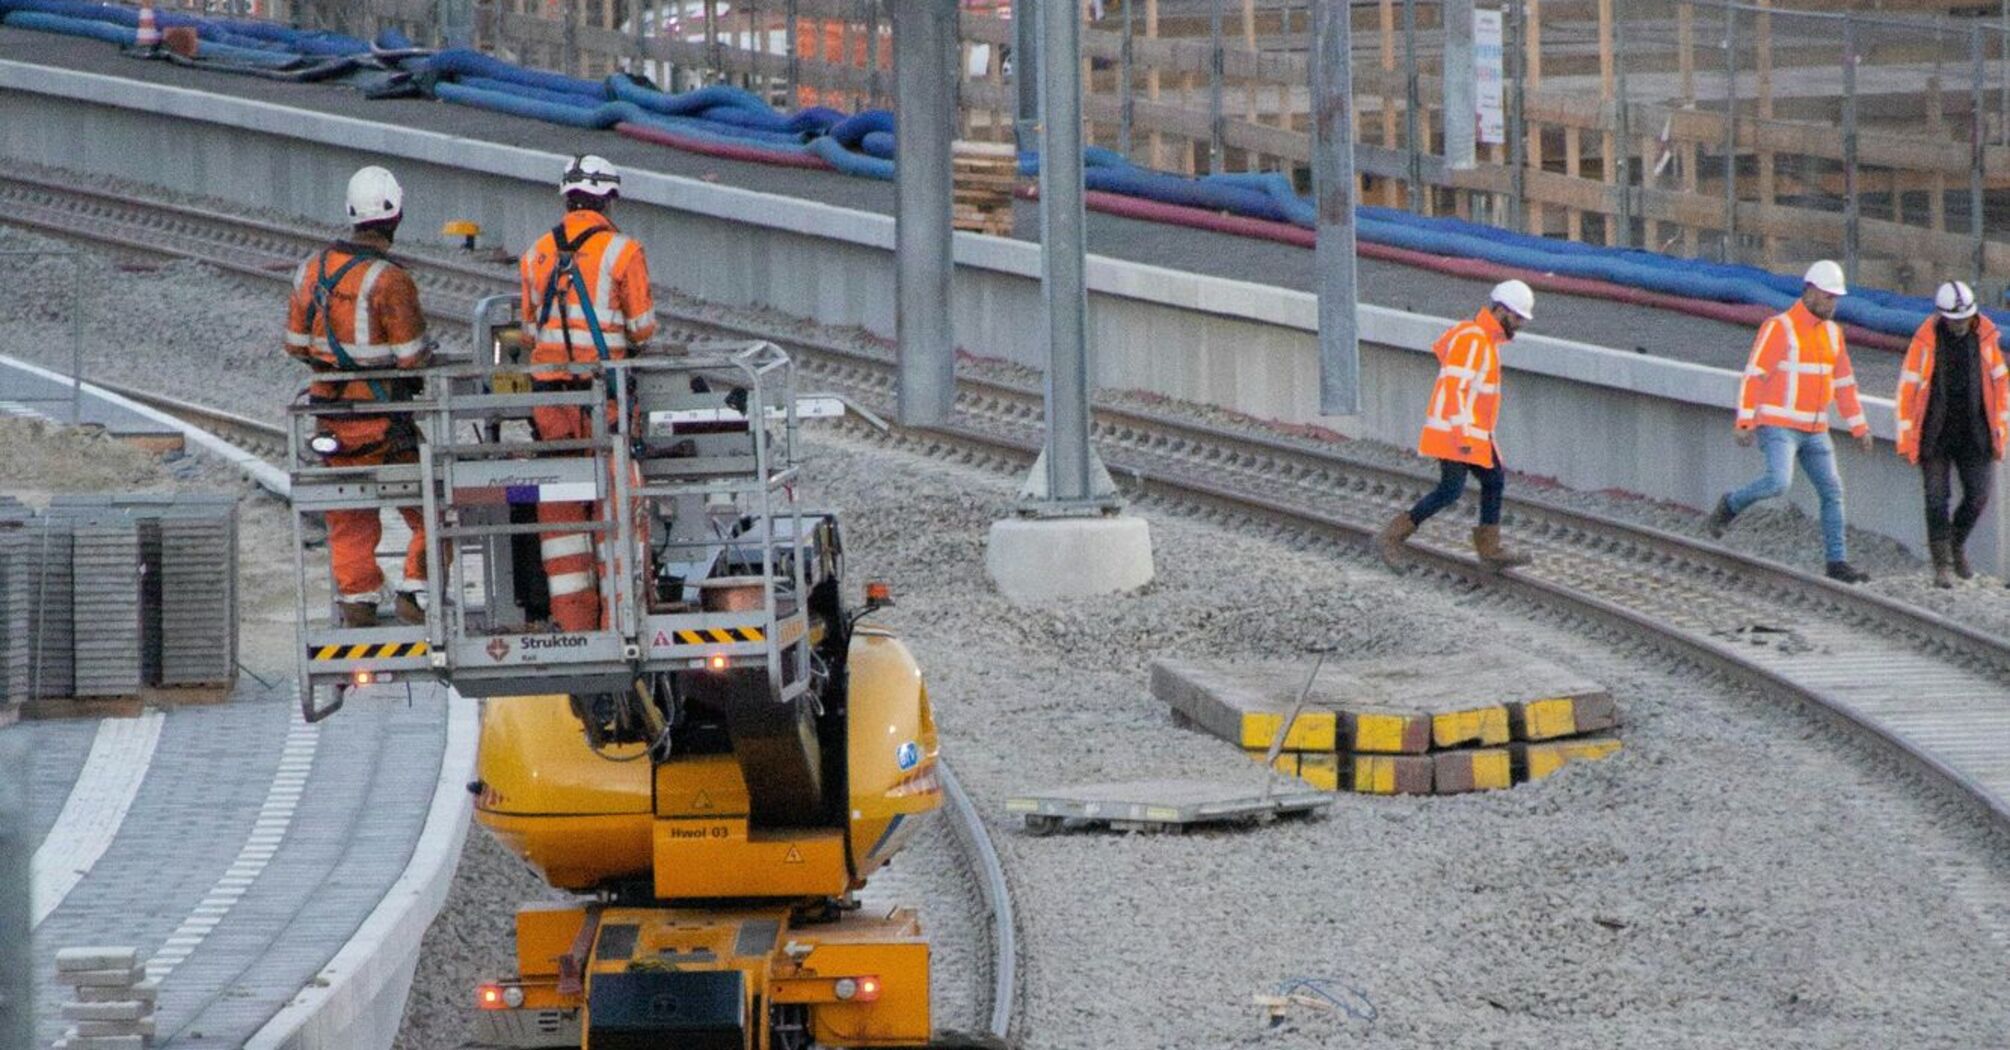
(52, 631)
(199, 595)
(164, 567)
(108, 602)
(16, 568)
(1436, 725)
(112, 1002)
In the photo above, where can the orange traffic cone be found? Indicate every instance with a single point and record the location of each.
(149, 35)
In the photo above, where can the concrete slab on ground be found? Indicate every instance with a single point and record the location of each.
(1405, 705)
(1162, 805)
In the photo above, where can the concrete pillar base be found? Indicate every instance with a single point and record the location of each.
(1040, 559)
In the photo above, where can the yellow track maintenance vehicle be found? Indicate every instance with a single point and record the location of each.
(716, 772)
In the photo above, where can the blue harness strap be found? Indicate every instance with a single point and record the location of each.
(567, 266)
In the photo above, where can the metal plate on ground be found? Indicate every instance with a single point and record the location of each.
(1162, 805)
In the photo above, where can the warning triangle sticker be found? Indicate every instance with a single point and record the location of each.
(792, 856)
(701, 800)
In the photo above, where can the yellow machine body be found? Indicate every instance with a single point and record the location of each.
(584, 819)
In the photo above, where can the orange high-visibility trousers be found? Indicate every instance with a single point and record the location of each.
(353, 536)
(571, 573)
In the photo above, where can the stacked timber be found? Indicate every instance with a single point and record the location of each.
(1439, 725)
(986, 175)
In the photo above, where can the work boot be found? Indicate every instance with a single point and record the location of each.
(1487, 544)
(1943, 564)
(1721, 518)
(1847, 573)
(357, 614)
(1389, 542)
(1957, 556)
(410, 612)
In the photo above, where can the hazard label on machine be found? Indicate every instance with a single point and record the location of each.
(368, 651)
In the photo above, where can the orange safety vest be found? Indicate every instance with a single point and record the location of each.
(352, 309)
(1466, 401)
(608, 273)
(1915, 386)
(1799, 363)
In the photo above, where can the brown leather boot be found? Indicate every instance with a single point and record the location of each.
(1943, 563)
(1957, 556)
(1487, 544)
(410, 612)
(1389, 542)
(357, 614)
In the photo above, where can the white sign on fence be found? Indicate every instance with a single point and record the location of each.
(1488, 76)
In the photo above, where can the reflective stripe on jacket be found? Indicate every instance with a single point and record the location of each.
(1798, 364)
(616, 276)
(372, 313)
(1465, 401)
(1915, 386)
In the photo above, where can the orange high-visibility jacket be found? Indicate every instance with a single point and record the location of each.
(1915, 386)
(1459, 425)
(1799, 363)
(369, 314)
(609, 272)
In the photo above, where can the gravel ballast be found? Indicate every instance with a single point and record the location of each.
(1739, 876)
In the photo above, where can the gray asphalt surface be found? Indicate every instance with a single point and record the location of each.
(1657, 332)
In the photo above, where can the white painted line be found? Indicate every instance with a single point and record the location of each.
(105, 788)
(301, 738)
(369, 978)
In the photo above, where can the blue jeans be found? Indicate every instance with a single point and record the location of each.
(1452, 482)
(1818, 457)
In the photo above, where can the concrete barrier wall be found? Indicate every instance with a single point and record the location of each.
(1590, 417)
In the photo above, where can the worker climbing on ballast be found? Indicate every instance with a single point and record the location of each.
(585, 292)
(353, 309)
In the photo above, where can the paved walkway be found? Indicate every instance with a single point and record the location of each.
(244, 855)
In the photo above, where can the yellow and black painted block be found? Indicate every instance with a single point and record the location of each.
(1471, 769)
(1539, 760)
(1389, 774)
(1562, 716)
(718, 635)
(1386, 732)
(1477, 726)
(1320, 769)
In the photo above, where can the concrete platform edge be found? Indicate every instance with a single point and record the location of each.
(269, 477)
(357, 1000)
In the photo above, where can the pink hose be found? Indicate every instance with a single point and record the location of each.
(752, 154)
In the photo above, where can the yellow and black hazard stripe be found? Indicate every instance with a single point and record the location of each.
(369, 651)
(720, 635)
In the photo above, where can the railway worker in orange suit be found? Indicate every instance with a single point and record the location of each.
(1799, 364)
(585, 292)
(355, 310)
(1953, 406)
(1459, 425)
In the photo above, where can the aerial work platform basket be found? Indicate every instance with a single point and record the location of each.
(688, 461)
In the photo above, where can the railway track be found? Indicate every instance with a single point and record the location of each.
(1935, 691)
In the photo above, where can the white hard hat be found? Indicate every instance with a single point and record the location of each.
(1955, 301)
(1827, 276)
(374, 195)
(1516, 296)
(590, 175)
